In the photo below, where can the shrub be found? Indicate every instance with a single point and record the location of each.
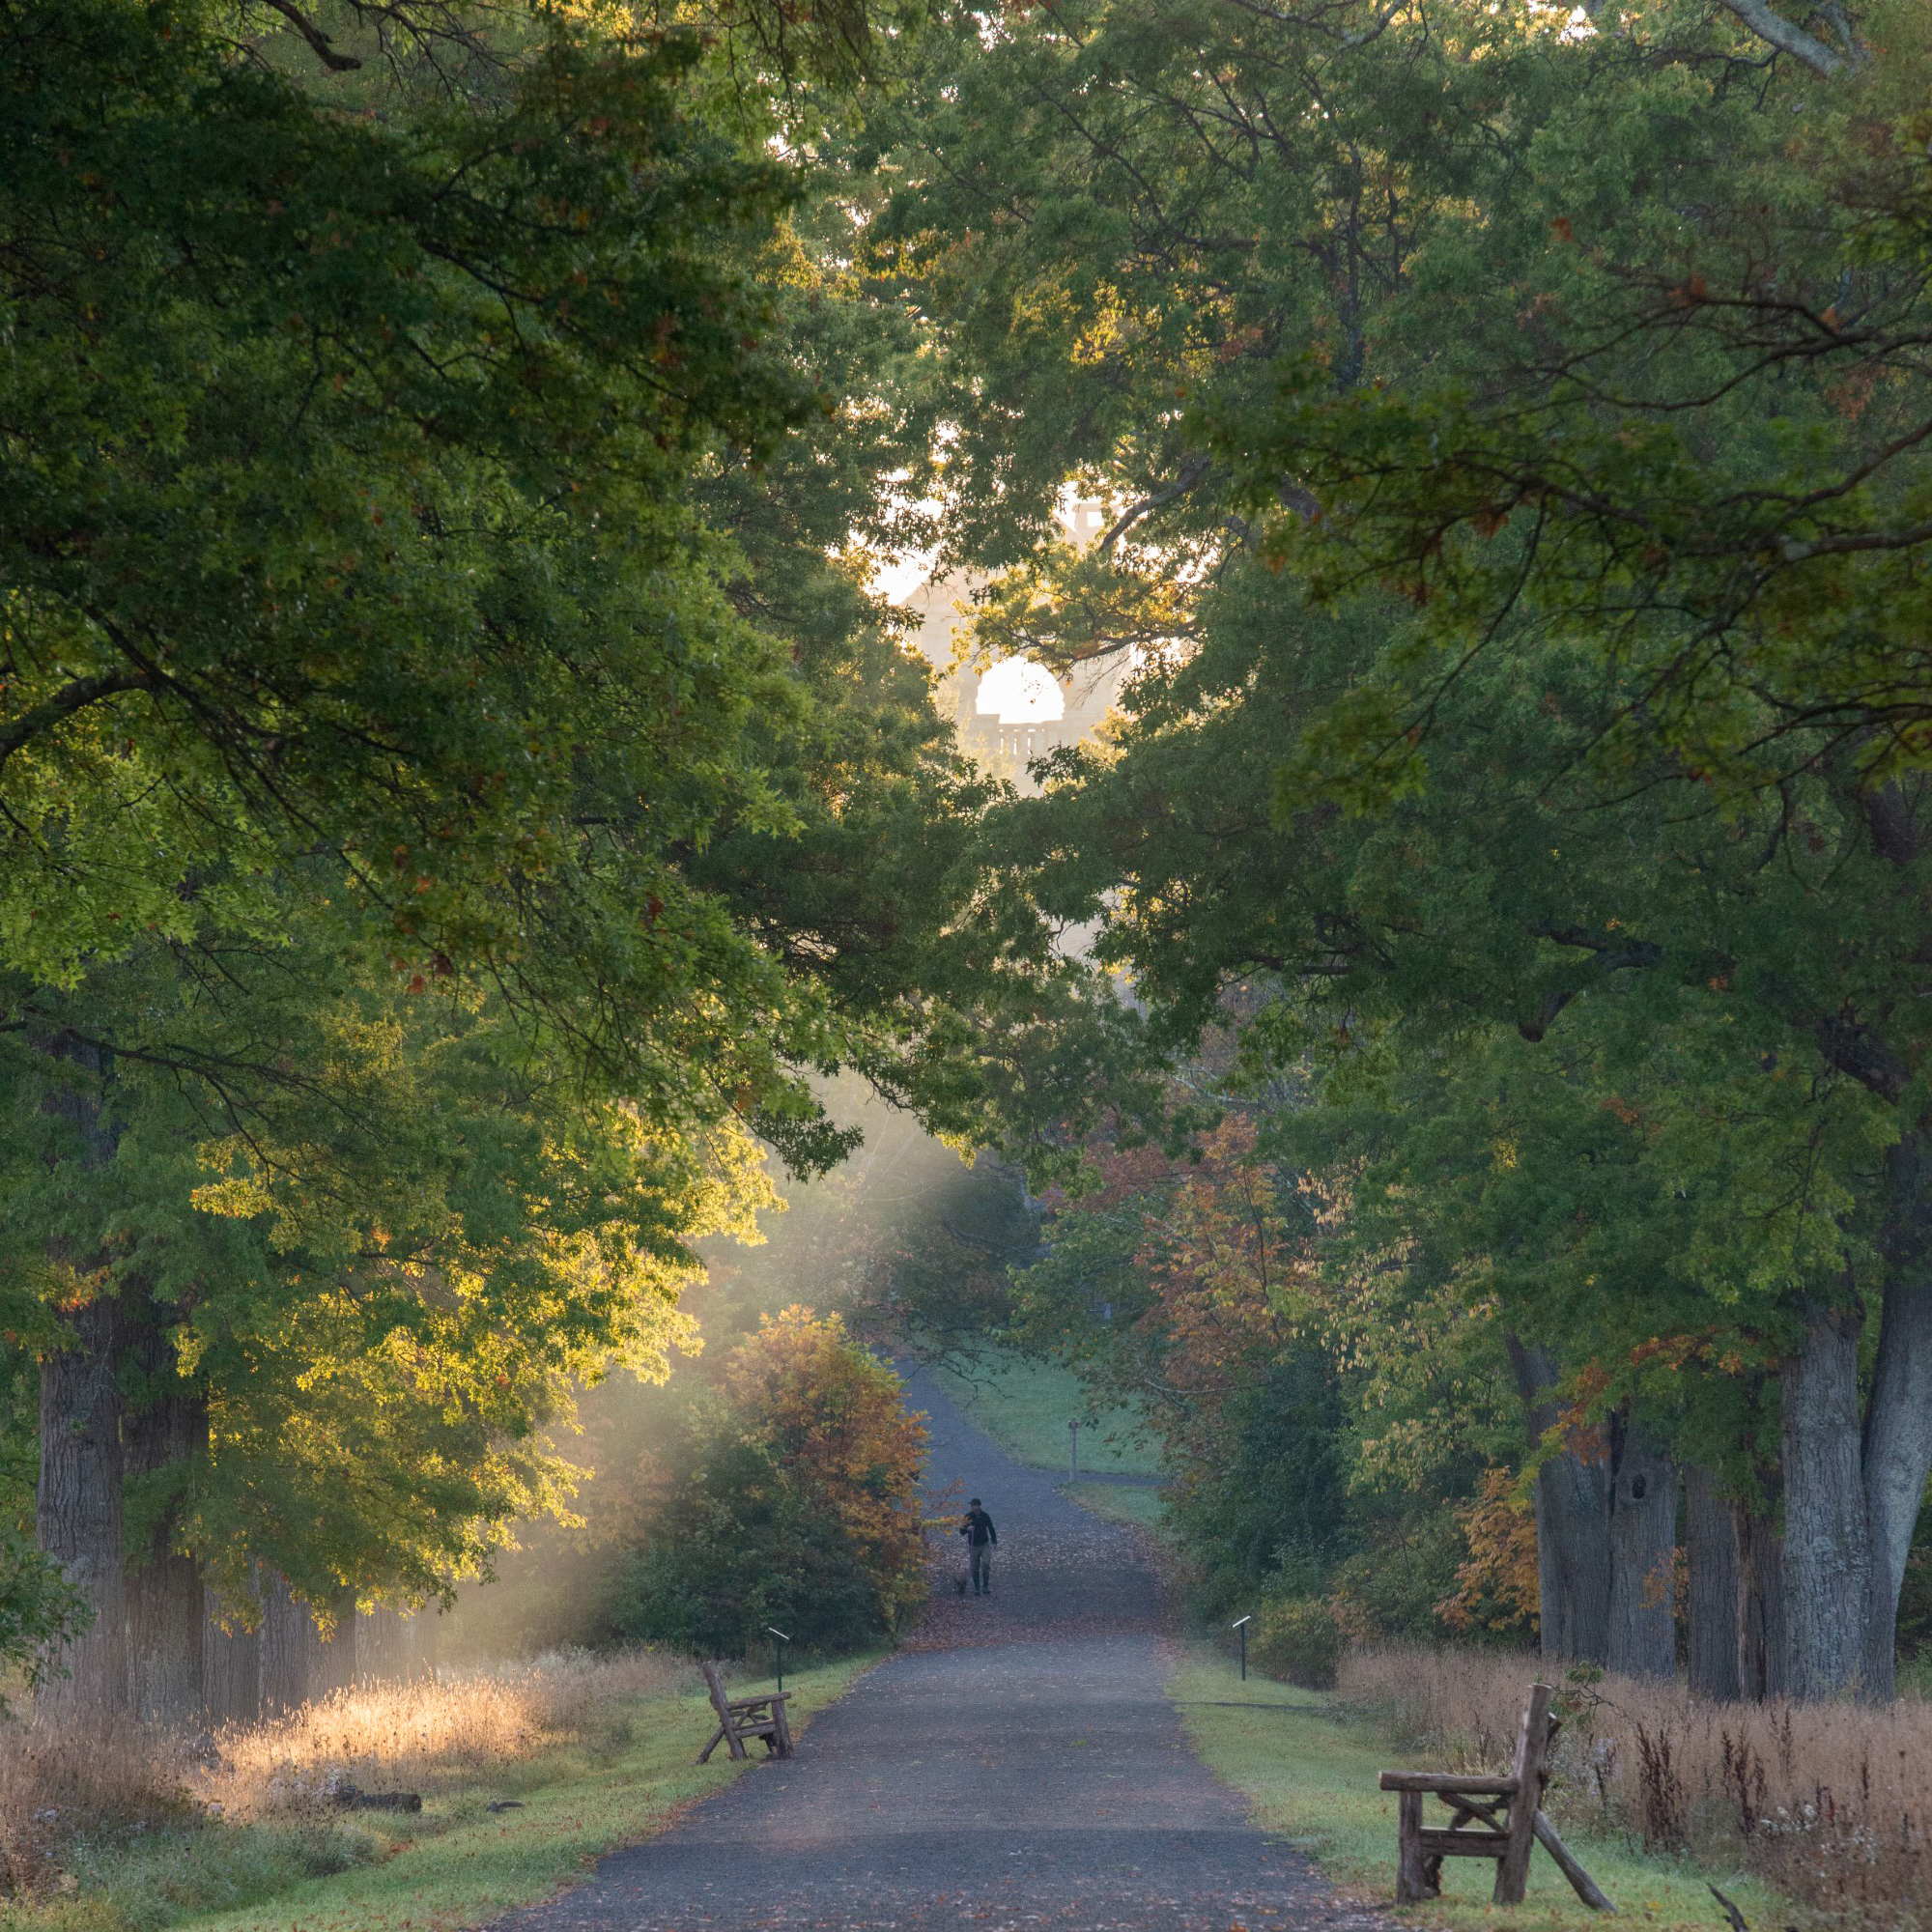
(1297, 1637)
(791, 1499)
(739, 1547)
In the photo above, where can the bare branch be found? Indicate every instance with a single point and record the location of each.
(64, 703)
(1774, 27)
(325, 50)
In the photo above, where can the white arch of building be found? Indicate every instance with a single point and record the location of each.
(1017, 691)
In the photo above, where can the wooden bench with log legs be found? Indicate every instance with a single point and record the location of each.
(742, 1717)
(1499, 1818)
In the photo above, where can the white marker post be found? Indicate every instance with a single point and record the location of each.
(782, 1640)
(1242, 1627)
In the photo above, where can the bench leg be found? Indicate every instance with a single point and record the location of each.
(1411, 1886)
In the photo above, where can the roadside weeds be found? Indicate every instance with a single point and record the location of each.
(304, 1868)
(1307, 1762)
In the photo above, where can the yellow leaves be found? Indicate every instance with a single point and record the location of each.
(236, 1197)
(1496, 1582)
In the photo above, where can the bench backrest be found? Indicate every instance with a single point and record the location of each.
(715, 1684)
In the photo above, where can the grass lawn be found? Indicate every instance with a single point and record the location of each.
(1123, 1502)
(1025, 1407)
(457, 1864)
(1308, 1772)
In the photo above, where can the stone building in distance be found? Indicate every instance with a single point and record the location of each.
(1015, 711)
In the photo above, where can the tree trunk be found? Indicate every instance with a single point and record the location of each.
(79, 1516)
(231, 1667)
(1762, 1642)
(1711, 1548)
(164, 1593)
(1573, 1525)
(388, 1645)
(335, 1666)
(78, 1504)
(1643, 1558)
(1827, 1542)
(1897, 1442)
(290, 1643)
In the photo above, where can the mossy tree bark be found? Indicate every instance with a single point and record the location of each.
(1643, 1549)
(1711, 1545)
(1826, 1540)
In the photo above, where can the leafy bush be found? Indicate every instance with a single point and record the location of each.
(737, 1550)
(790, 1501)
(1297, 1637)
(1396, 1581)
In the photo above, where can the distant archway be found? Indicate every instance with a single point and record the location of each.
(1019, 691)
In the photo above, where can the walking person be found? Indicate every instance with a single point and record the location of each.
(980, 1539)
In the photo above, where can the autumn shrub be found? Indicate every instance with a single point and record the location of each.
(791, 1499)
(1297, 1637)
(1831, 1803)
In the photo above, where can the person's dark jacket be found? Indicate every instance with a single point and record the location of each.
(977, 1528)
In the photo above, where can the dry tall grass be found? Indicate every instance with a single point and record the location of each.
(431, 1737)
(1832, 1802)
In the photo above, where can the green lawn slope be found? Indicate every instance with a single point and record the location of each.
(1026, 1405)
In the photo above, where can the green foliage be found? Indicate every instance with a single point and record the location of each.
(1296, 1638)
(789, 1499)
(459, 792)
(1514, 464)
(37, 1609)
(737, 1548)
(1270, 1485)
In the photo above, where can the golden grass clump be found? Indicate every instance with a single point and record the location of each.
(1831, 1803)
(431, 1736)
(427, 1736)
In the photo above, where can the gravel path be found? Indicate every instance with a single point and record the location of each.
(1014, 1766)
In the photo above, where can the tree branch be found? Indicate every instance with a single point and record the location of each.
(1774, 27)
(64, 703)
(325, 50)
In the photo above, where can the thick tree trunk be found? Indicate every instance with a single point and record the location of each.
(290, 1643)
(164, 1593)
(1643, 1559)
(1711, 1548)
(79, 1516)
(1827, 1542)
(79, 1505)
(231, 1667)
(390, 1645)
(1897, 1442)
(1762, 1642)
(1573, 1525)
(334, 1667)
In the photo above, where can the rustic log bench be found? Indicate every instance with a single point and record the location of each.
(1499, 1818)
(742, 1717)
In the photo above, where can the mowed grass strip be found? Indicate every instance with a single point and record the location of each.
(458, 1864)
(1120, 1502)
(1026, 1405)
(1308, 1771)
